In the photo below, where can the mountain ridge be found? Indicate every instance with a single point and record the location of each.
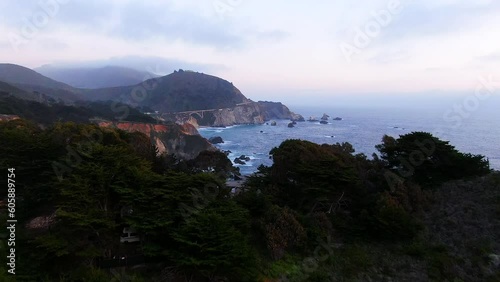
(95, 77)
(178, 93)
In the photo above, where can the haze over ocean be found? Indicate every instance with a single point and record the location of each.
(479, 133)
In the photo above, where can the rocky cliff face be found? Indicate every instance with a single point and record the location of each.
(276, 110)
(8, 117)
(183, 141)
(245, 113)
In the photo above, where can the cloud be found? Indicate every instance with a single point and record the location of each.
(280, 39)
(143, 22)
(157, 65)
(272, 35)
(493, 57)
(435, 69)
(52, 44)
(389, 57)
(427, 18)
(133, 21)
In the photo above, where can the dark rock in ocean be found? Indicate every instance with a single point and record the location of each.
(323, 122)
(291, 125)
(337, 118)
(216, 140)
(261, 131)
(244, 158)
(273, 123)
(239, 161)
(325, 117)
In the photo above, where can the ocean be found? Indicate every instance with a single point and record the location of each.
(476, 132)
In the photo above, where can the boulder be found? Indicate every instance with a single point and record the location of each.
(244, 158)
(291, 124)
(273, 123)
(216, 140)
(297, 117)
(239, 161)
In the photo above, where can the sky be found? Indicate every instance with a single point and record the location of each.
(300, 52)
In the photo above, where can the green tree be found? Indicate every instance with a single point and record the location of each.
(305, 174)
(427, 160)
(213, 243)
(30, 150)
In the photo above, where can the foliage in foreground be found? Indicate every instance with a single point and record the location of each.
(319, 213)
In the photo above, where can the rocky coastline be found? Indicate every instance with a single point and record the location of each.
(245, 113)
(182, 141)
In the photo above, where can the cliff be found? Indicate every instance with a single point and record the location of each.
(195, 98)
(8, 117)
(183, 141)
(276, 110)
(245, 113)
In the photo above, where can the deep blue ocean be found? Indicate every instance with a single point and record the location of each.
(478, 133)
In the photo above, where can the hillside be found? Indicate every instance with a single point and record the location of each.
(7, 89)
(182, 141)
(94, 78)
(16, 74)
(31, 81)
(319, 213)
(47, 113)
(181, 96)
(176, 92)
(184, 93)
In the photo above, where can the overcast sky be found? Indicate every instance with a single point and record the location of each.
(275, 50)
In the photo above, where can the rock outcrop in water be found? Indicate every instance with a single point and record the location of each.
(183, 141)
(216, 140)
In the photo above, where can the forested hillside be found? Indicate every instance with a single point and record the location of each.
(319, 213)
